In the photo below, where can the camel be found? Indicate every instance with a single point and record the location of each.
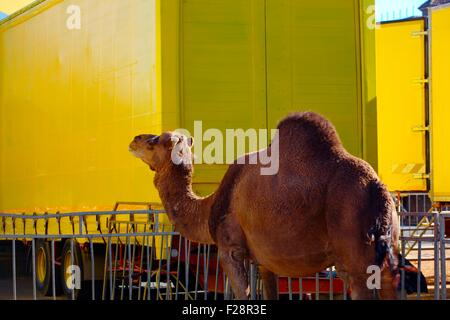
(323, 208)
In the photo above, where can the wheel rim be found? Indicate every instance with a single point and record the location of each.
(41, 265)
(67, 263)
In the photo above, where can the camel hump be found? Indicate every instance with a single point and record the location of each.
(310, 130)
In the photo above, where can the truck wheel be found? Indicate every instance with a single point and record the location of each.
(44, 269)
(69, 274)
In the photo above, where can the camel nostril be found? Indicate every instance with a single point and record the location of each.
(137, 138)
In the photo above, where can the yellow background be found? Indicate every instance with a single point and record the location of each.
(11, 6)
(71, 102)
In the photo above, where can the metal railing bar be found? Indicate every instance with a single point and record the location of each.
(33, 254)
(91, 249)
(290, 288)
(443, 259)
(187, 245)
(197, 271)
(112, 285)
(331, 283)
(345, 290)
(158, 275)
(418, 239)
(436, 257)
(206, 269)
(79, 214)
(216, 285)
(141, 262)
(177, 285)
(419, 268)
(122, 284)
(317, 287)
(130, 271)
(14, 269)
(168, 260)
(52, 248)
(151, 266)
(402, 274)
(87, 236)
(119, 246)
(300, 288)
(105, 270)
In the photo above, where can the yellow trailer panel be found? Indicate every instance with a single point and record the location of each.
(401, 105)
(440, 103)
(72, 99)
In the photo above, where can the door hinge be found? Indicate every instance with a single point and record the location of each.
(421, 81)
(421, 176)
(417, 34)
(421, 129)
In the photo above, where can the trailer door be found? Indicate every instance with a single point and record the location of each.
(401, 105)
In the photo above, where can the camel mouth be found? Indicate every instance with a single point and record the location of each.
(134, 152)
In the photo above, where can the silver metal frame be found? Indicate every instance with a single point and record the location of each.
(183, 270)
(169, 277)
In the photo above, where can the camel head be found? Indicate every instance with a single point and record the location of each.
(170, 148)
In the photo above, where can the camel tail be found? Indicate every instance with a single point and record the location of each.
(382, 232)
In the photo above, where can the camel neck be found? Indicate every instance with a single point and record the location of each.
(188, 212)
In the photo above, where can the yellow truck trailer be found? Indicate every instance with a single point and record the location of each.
(413, 99)
(80, 78)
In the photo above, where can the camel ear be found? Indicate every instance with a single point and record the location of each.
(190, 142)
(154, 140)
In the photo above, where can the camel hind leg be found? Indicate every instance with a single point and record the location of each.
(358, 242)
(353, 255)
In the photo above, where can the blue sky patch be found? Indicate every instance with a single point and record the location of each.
(388, 10)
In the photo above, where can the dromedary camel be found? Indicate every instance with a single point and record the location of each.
(323, 208)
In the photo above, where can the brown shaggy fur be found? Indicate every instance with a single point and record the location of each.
(323, 208)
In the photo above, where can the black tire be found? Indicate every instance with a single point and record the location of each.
(65, 272)
(43, 263)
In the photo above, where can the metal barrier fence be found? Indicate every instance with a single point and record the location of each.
(143, 258)
(423, 242)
